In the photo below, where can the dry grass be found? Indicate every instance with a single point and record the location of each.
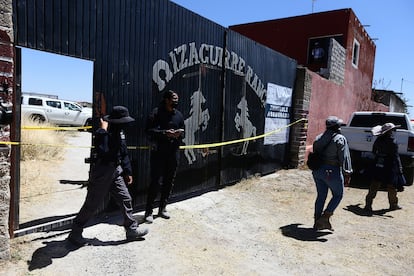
(40, 151)
(41, 144)
(35, 178)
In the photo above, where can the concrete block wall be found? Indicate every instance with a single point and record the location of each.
(6, 92)
(336, 62)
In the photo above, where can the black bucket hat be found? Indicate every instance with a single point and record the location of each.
(119, 115)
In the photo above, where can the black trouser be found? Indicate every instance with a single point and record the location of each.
(163, 170)
(372, 193)
(104, 178)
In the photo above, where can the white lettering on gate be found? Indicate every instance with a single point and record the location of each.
(188, 55)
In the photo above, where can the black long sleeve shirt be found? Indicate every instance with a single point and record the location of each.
(160, 120)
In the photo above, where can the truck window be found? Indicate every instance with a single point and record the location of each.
(71, 106)
(35, 101)
(374, 120)
(54, 104)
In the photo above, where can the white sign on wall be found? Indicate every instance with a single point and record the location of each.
(277, 113)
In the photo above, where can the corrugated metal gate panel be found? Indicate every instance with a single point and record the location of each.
(198, 84)
(245, 101)
(137, 47)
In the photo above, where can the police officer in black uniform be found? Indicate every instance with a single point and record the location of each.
(110, 172)
(165, 128)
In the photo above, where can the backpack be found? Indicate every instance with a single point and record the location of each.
(314, 161)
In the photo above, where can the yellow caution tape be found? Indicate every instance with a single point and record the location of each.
(9, 143)
(212, 145)
(55, 128)
(43, 145)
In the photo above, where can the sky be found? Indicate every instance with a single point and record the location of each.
(389, 23)
(45, 73)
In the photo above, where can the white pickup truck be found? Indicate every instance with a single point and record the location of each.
(360, 139)
(54, 111)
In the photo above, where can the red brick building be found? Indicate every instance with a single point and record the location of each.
(338, 56)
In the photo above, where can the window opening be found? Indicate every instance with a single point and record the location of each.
(355, 53)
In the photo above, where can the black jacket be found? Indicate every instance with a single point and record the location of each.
(387, 165)
(110, 146)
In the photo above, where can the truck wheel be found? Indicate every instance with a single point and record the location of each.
(88, 123)
(37, 118)
(409, 176)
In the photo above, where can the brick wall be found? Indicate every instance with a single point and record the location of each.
(300, 104)
(6, 91)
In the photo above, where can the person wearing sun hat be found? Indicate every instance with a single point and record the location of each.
(333, 174)
(387, 168)
(110, 171)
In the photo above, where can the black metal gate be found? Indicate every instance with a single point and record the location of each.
(140, 48)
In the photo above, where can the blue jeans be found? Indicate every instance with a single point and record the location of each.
(326, 178)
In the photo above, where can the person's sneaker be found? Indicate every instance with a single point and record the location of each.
(77, 240)
(135, 233)
(164, 214)
(149, 219)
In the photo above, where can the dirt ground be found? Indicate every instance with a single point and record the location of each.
(55, 188)
(261, 226)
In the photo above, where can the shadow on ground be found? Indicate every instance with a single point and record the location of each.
(303, 234)
(358, 210)
(44, 256)
(82, 183)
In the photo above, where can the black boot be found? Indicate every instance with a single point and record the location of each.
(148, 216)
(75, 237)
(368, 205)
(162, 212)
(323, 222)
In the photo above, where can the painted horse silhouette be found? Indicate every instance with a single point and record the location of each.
(244, 124)
(198, 119)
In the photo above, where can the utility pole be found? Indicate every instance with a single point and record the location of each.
(313, 2)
